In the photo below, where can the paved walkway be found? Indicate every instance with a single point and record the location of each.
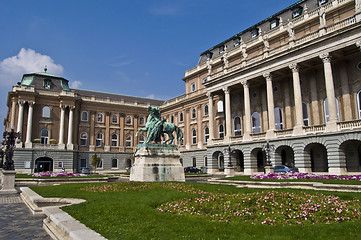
(17, 222)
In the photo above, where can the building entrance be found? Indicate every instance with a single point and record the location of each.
(43, 164)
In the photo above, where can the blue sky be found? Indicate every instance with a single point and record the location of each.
(139, 47)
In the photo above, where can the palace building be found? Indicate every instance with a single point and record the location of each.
(293, 79)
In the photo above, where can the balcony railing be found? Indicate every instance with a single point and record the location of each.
(348, 125)
(45, 146)
(314, 128)
(284, 132)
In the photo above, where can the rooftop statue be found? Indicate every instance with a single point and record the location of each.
(156, 127)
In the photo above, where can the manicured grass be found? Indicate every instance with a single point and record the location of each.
(134, 214)
(88, 176)
(325, 181)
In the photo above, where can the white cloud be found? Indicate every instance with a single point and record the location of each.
(151, 96)
(26, 61)
(75, 84)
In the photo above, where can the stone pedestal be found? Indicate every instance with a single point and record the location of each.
(7, 182)
(268, 169)
(157, 163)
(229, 171)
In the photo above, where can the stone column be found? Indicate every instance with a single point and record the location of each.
(21, 116)
(13, 108)
(107, 132)
(227, 99)
(331, 125)
(61, 130)
(247, 112)
(288, 112)
(270, 105)
(92, 131)
(188, 134)
(200, 129)
(358, 10)
(28, 143)
(298, 129)
(346, 96)
(210, 118)
(314, 114)
(70, 145)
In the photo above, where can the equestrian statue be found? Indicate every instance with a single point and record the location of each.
(156, 127)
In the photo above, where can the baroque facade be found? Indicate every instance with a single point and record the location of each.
(293, 79)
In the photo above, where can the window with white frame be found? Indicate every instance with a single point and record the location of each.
(84, 116)
(274, 23)
(296, 12)
(128, 141)
(128, 120)
(193, 87)
(194, 136)
(114, 139)
(100, 163)
(306, 120)
(100, 117)
(358, 99)
(115, 118)
(205, 110)
(83, 139)
(237, 41)
(254, 33)
(220, 106)
(220, 131)
(172, 118)
(141, 139)
(237, 126)
(222, 49)
(194, 113)
(325, 110)
(206, 134)
(181, 117)
(44, 136)
(99, 139)
(256, 122)
(46, 112)
(141, 121)
(114, 163)
(278, 118)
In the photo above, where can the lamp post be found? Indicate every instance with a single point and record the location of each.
(268, 148)
(229, 170)
(9, 141)
(1, 158)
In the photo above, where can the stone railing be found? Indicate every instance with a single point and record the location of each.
(258, 136)
(314, 128)
(217, 141)
(45, 146)
(349, 124)
(284, 132)
(344, 23)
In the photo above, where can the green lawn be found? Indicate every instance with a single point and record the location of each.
(133, 214)
(325, 181)
(88, 176)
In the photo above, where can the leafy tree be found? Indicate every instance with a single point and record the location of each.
(95, 161)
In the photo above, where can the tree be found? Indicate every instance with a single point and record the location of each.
(95, 161)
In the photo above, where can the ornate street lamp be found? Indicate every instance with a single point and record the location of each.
(229, 170)
(9, 142)
(267, 148)
(1, 158)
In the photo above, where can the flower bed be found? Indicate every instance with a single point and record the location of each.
(55, 174)
(305, 176)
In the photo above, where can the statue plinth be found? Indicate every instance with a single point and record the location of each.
(157, 163)
(7, 181)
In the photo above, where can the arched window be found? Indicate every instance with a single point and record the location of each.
(115, 118)
(278, 118)
(220, 131)
(358, 98)
(220, 106)
(194, 136)
(114, 140)
(141, 121)
(181, 118)
(206, 134)
(325, 110)
(172, 118)
(128, 141)
(237, 126)
(46, 112)
(141, 139)
(99, 140)
(83, 139)
(306, 120)
(256, 122)
(128, 120)
(44, 136)
(194, 114)
(205, 110)
(84, 116)
(100, 117)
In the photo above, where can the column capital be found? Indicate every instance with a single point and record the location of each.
(21, 103)
(294, 67)
(267, 76)
(62, 106)
(358, 44)
(326, 57)
(245, 83)
(209, 95)
(71, 108)
(31, 103)
(226, 90)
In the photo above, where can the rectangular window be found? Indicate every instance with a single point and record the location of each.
(82, 163)
(254, 33)
(114, 163)
(274, 23)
